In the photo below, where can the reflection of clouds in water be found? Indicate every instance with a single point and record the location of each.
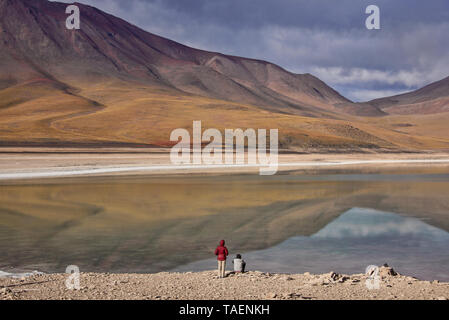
(358, 222)
(358, 238)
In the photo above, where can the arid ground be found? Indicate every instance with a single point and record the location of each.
(205, 286)
(25, 162)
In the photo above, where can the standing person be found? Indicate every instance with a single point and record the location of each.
(221, 252)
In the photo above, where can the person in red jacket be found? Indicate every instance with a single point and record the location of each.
(221, 252)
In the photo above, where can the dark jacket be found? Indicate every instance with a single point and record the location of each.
(221, 252)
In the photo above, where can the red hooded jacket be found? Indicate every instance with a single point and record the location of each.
(221, 252)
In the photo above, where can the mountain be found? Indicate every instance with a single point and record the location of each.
(34, 36)
(433, 98)
(113, 84)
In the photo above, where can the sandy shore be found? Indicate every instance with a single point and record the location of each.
(24, 164)
(252, 285)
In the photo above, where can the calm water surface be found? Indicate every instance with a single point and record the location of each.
(357, 239)
(284, 223)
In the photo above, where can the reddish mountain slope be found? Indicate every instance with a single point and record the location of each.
(111, 83)
(36, 44)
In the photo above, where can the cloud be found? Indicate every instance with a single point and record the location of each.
(319, 37)
(359, 95)
(358, 223)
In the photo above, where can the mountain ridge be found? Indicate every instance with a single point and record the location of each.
(148, 57)
(432, 98)
(111, 83)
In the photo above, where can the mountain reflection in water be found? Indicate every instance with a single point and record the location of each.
(358, 238)
(152, 224)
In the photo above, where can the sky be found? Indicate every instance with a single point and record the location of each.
(326, 38)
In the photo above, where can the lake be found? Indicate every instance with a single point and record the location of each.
(289, 223)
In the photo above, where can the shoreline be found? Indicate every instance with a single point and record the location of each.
(202, 168)
(44, 166)
(252, 285)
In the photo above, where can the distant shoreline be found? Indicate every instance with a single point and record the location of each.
(170, 168)
(29, 166)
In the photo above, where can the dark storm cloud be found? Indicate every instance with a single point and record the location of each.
(324, 37)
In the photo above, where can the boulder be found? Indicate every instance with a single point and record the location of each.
(387, 272)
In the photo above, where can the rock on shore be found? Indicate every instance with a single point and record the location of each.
(205, 285)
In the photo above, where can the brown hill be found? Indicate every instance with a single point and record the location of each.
(433, 98)
(111, 83)
(34, 38)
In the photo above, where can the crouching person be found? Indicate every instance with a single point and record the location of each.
(239, 264)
